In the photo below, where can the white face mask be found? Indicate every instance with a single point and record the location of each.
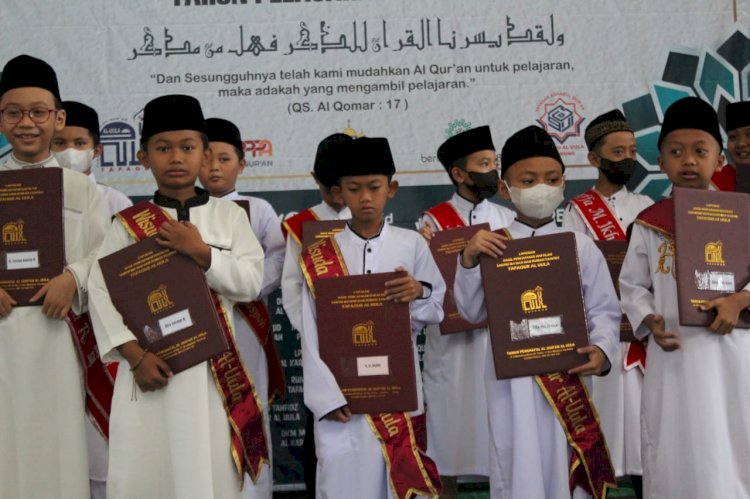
(538, 202)
(74, 159)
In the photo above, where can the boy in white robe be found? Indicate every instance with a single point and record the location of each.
(695, 406)
(76, 147)
(172, 439)
(330, 208)
(529, 450)
(350, 456)
(617, 396)
(219, 177)
(42, 438)
(453, 372)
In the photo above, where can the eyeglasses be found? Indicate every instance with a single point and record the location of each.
(12, 115)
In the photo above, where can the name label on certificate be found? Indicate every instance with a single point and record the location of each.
(20, 260)
(175, 322)
(373, 366)
(542, 326)
(714, 281)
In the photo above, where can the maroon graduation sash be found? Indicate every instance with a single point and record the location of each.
(98, 380)
(446, 216)
(659, 217)
(598, 217)
(604, 226)
(257, 317)
(241, 402)
(293, 225)
(410, 471)
(590, 465)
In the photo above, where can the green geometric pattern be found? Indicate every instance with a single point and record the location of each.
(718, 75)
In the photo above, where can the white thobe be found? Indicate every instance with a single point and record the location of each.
(42, 414)
(265, 225)
(174, 443)
(292, 279)
(529, 451)
(350, 457)
(695, 412)
(114, 201)
(453, 374)
(617, 396)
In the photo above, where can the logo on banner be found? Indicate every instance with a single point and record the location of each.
(457, 126)
(351, 131)
(119, 146)
(258, 152)
(561, 116)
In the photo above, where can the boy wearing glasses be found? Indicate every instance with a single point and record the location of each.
(42, 440)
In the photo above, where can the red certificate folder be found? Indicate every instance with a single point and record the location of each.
(535, 306)
(614, 254)
(712, 248)
(33, 241)
(366, 342)
(445, 247)
(164, 300)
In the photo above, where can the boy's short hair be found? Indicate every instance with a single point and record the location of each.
(171, 113)
(323, 167)
(27, 71)
(690, 113)
(81, 115)
(530, 142)
(362, 156)
(737, 115)
(220, 130)
(604, 124)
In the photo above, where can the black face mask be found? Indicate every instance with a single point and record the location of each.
(618, 172)
(485, 184)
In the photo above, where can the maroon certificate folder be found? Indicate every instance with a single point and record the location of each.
(535, 306)
(33, 241)
(164, 300)
(312, 230)
(712, 250)
(614, 254)
(445, 247)
(366, 342)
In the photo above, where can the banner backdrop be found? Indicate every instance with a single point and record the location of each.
(289, 72)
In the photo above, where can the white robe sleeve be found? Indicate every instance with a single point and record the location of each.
(636, 286)
(237, 274)
(469, 293)
(266, 226)
(109, 327)
(321, 391)
(429, 310)
(292, 281)
(95, 228)
(603, 311)
(572, 220)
